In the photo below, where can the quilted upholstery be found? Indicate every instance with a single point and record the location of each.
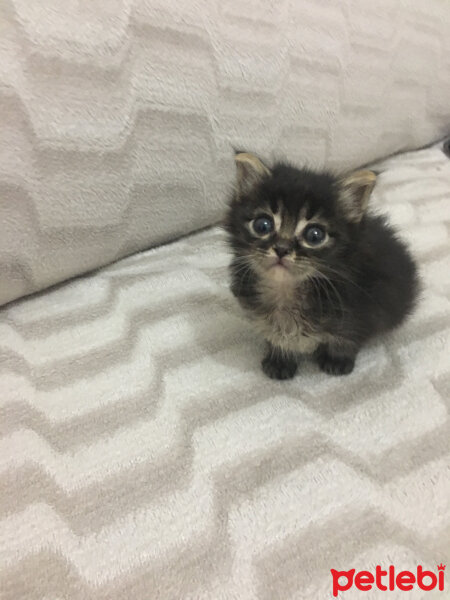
(144, 455)
(117, 117)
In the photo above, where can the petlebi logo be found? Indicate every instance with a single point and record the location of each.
(388, 579)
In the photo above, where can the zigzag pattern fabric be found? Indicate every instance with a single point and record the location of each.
(143, 454)
(118, 117)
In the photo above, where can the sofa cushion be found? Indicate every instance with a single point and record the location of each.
(143, 454)
(117, 119)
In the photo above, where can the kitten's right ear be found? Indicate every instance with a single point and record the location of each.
(250, 171)
(355, 190)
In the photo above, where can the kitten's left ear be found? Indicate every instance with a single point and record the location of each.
(354, 193)
(250, 171)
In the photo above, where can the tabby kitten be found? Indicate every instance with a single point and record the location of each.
(314, 271)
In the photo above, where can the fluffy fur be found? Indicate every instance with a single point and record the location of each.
(304, 297)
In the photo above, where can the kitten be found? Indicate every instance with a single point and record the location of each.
(315, 272)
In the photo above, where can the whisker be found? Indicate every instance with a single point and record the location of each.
(344, 278)
(338, 296)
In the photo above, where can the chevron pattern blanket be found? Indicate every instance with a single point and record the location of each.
(144, 455)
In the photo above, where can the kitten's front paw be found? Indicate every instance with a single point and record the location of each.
(335, 365)
(276, 368)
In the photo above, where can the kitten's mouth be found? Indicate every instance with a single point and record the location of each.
(280, 264)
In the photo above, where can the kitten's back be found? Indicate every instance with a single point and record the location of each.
(388, 271)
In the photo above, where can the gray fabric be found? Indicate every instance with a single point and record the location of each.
(144, 455)
(117, 118)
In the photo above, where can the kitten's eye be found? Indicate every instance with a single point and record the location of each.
(314, 235)
(263, 225)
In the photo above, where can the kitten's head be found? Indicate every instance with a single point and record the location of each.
(290, 223)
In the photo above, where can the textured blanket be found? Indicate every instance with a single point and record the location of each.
(144, 455)
(118, 117)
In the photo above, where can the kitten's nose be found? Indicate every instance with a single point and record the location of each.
(282, 248)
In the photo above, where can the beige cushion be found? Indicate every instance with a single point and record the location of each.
(117, 119)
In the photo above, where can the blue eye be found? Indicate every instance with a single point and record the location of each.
(314, 235)
(263, 225)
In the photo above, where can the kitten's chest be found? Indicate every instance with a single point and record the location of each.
(282, 319)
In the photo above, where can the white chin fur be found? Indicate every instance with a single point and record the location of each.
(279, 273)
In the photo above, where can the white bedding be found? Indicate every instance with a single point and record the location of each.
(143, 454)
